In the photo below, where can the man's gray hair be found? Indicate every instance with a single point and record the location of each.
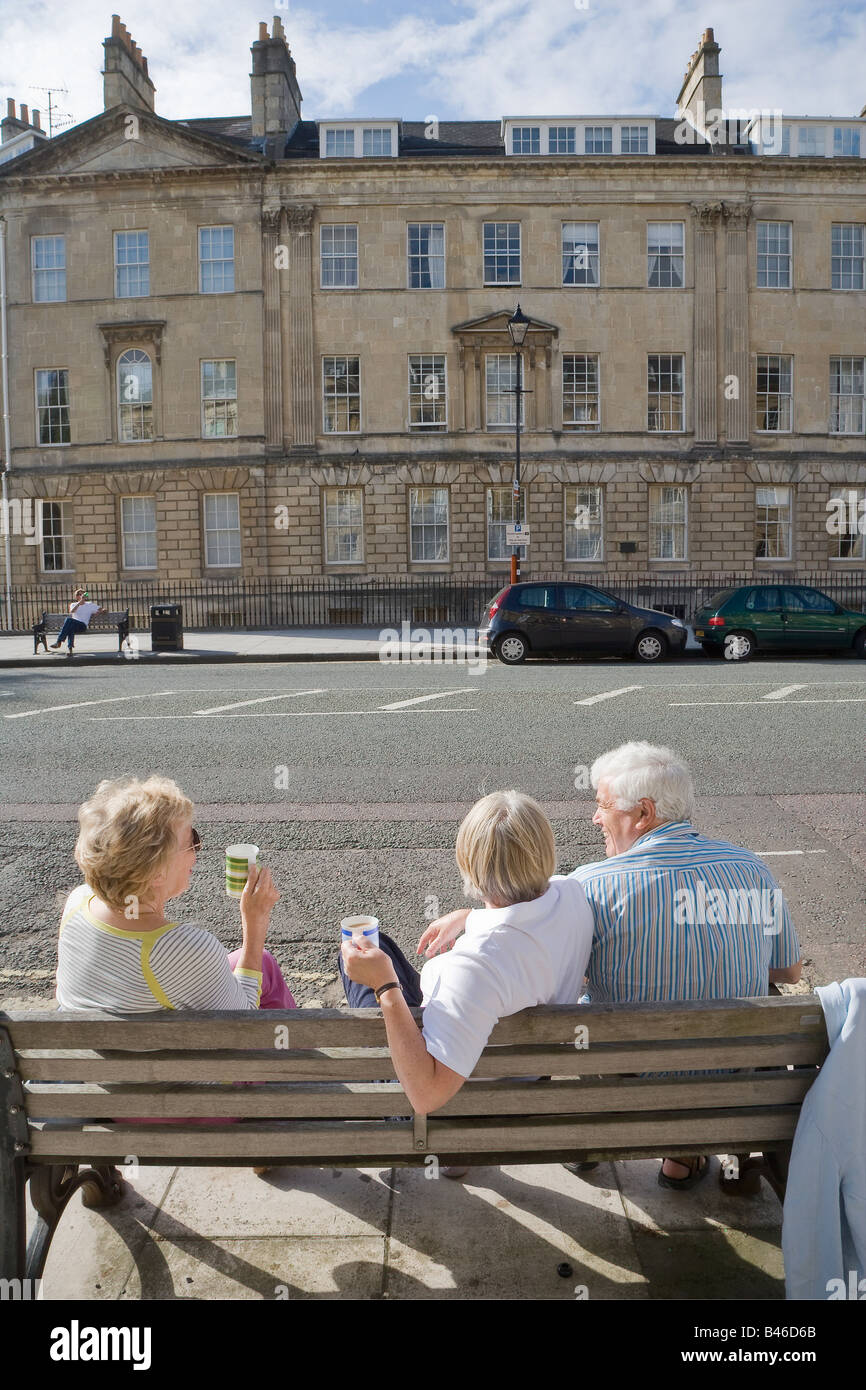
(637, 770)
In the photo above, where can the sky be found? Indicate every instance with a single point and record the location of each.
(455, 59)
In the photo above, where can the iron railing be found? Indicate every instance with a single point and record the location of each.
(428, 600)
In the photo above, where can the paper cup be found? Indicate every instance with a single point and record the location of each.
(238, 860)
(361, 927)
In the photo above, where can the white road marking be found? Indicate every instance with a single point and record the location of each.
(421, 699)
(608, 695)
(691, 704)
(273, 714)
(775, 853)
(263, 700)
(783, 691)
(80, 704)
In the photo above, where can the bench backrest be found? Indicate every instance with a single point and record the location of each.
(54, 621)
(602, 1088)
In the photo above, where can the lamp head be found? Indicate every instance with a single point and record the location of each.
(518, 327)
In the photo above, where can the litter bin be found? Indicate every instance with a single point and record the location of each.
(166, 627)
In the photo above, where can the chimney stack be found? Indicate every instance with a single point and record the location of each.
(701, 93)
(276, 96)
(13, 124)
(125, 79)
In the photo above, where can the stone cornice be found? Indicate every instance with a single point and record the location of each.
(147, 331)
(100, 177)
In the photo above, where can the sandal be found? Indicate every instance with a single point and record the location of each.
(698, 1168)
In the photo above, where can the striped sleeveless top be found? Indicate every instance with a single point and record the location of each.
(178, 966)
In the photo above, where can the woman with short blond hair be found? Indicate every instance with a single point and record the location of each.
(118, 951)
(529, 944)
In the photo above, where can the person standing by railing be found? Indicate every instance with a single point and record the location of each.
(81, 610)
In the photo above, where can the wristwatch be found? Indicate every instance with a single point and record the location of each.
(392, 984)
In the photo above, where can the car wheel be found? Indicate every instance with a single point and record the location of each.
(860, 643)
(512, 649)
(739, 646)
(651, 646)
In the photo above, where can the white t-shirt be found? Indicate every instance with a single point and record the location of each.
(85, 612)
(508, 959)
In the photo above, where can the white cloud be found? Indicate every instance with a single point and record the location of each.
(480, 59)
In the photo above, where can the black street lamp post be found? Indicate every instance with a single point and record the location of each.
(518, 326)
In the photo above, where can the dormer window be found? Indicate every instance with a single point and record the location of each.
(339, 143)
(359, 139)
(526, 139)
(581, 135)
(846, 140)
(377, 140)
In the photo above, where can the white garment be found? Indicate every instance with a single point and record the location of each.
(84, 612)
(824, 1223)
(508, 959)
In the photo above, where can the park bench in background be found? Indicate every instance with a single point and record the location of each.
(101, 622)
(555, 1084)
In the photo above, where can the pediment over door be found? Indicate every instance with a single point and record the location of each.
(490, 331)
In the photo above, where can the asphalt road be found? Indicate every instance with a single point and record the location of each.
(353, 777)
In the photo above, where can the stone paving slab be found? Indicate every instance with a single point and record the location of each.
(525, 1232)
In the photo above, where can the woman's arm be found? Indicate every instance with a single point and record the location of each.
(428, 1083)
(441, 934)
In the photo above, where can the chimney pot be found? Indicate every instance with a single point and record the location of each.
(10, 107)
(263, 32)
(115, 26)
(36, 119)
(25, 114)
(278, 27)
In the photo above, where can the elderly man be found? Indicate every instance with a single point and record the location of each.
(676, 915)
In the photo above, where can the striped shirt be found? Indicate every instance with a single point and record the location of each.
(177, 966)
(680, 916)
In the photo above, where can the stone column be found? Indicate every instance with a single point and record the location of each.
(272, 365)
(738, 392)
(707, 217)
(302, 432)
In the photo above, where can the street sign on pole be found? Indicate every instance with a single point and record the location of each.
(516, 533)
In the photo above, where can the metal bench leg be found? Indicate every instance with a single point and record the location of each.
(13, 1225)
(51, 1186)
(13, 1155)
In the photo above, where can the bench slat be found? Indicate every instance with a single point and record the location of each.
(357, 1141)
(589, 1096)
(317, 1028)
(375, 1063)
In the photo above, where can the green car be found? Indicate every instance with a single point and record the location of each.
(777, 618)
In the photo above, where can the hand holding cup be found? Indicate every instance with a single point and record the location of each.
(257, 902)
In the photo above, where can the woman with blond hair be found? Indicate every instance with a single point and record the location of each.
(529, 944)
(118, 951)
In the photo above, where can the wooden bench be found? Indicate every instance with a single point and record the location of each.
(53, 622)
(555, 1084)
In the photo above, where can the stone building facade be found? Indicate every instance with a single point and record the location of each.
(265, 346)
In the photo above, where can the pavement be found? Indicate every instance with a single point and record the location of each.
(524, 1232)
(283, 644)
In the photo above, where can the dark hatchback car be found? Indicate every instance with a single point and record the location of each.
(562, 619)
(777, 618)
